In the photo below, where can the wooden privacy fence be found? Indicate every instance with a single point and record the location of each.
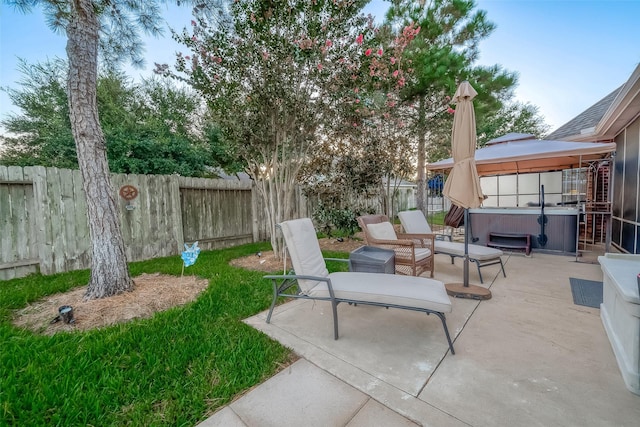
(43, 221)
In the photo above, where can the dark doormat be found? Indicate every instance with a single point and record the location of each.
(586, 292)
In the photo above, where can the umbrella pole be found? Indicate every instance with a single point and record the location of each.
(465, 270)
(465, 290)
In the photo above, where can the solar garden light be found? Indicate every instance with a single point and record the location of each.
(66, 314)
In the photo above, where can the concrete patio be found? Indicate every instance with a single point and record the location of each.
(526, 357)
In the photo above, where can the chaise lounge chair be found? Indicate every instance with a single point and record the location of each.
(414, 222)
(311, 280)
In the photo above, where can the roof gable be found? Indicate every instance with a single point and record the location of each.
(587, 120)
(607, 117)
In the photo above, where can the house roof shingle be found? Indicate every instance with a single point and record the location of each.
(588, 119)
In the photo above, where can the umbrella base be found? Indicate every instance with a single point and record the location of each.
(459, 290)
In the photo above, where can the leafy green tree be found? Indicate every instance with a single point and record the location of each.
(113, 26)
(41, 133)
(512, 117)
(155, 128)
(152, 127)
(280, 78)
(441, 56)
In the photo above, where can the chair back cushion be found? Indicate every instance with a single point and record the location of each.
(304, 250)
(414, 222)
(382, 231)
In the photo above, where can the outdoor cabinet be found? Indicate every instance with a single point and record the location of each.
(369, 259)
(620, 313)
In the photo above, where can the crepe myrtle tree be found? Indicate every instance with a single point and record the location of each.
(365, 161)
(280, 78)
(371, 144)
(114, 28)
(384, 127)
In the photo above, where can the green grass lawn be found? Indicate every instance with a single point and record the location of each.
(436, 218)
(175, 368)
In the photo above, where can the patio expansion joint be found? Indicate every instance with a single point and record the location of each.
(455, 337)
(331, 370)
(355, 413)
(376, 394)
(382, 389)
(403, 402)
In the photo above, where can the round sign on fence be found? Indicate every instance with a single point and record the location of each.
(128, 192)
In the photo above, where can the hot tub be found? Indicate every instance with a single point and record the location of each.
(560, 228)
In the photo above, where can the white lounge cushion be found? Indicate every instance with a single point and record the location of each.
(306, 256)
(481, 253)
(382, 231)
(406, 291)
(414, 222)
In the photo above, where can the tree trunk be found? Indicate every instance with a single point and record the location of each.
(422, 181)
(109, 270)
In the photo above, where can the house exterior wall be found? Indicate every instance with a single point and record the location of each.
(625, 226)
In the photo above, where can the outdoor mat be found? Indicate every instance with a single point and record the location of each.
(586, 292)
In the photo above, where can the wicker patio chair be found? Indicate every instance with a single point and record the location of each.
(413, 252)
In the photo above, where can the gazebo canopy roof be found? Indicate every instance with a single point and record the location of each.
(522, 153)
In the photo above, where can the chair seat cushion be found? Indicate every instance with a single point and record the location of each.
(481, 253)
(422, 253)
(405, 291)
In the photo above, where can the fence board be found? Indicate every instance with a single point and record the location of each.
(32, 226)
(144, 251)
(69, 220)
(157, 225)
(43, 215)
(7, 240)
(129, 217)
(173, 201)
(54, 193)
(83, 234)
(19, 217)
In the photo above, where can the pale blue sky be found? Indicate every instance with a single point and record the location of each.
(568, 53)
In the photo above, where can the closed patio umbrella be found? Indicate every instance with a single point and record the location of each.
(463, 184)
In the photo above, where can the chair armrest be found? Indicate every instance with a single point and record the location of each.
(337, 259)
(411, 236)
(421, 240)
(404, 248)
(288, 278)
(296, 277)
(395, 243)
